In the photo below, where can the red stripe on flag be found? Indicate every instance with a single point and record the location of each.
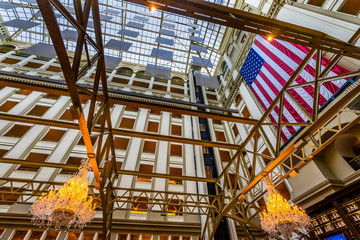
(282, 81)
(283, 137)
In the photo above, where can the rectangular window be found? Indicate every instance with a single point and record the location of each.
(140, 205)
(121, 143)
(127, 123)
(175, 172)
(211, 96)
(38, 110)
(159, 87)
(141, 84)
(132, 108)
(9, 196)
(175, 208)
(66, 116)
(33, 65)
(34, 157)
(54, 69)
(267, 153)
(225, 155)
(350, 7)
(144, 168)
(245, 112)
(18, 131)
(176, 130)
(318, 3)
(176, 150)
(120, 80)
(153, 127)
(149, 147)
(10, 60)
(53, 135)
(220, 136)
(177, 90)
(7, 106)
(235, 130)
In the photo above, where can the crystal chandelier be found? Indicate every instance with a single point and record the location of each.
(68, 208)
(280, 218)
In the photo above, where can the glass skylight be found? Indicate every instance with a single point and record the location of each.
(122, 12)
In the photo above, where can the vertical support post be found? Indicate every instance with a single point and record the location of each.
(317, 85)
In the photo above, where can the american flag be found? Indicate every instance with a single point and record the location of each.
(267, 68)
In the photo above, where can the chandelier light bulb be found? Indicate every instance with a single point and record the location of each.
(281, 218)
(68, 208)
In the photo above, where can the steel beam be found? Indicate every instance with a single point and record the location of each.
(117, 131)
(124, 98)
(74, 168)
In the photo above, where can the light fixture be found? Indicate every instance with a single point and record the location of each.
(68, 208)
(280, 218)
(269, 38)
(152, 8)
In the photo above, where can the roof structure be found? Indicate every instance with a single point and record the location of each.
(130, 23)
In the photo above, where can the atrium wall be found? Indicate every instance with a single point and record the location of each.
(58, 145)
(330, 170)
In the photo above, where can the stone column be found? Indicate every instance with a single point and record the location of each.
(46, 65)
(25, 61)
(162, 160)
(130, 83)
(61, 152)
(26, 143)
(62, 235)
(189, 163)
(134, 150)
(168, 89)
(21, 108)
(151, 84)
(3, 56)
(116, 114)
(6, 93)
(111, 76)
(8, 234)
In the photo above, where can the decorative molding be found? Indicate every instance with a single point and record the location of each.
(176, 187)
(320, 189)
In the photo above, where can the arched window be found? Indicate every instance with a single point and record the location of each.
(224, 67)
(238, 37)
(125, 71)
(238, 99)
(230, 49)
(348, 146)
(177, 81)
(218, 78)
(6, 48)
(141, 74)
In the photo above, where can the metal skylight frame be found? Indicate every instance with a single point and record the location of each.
(141, 48)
